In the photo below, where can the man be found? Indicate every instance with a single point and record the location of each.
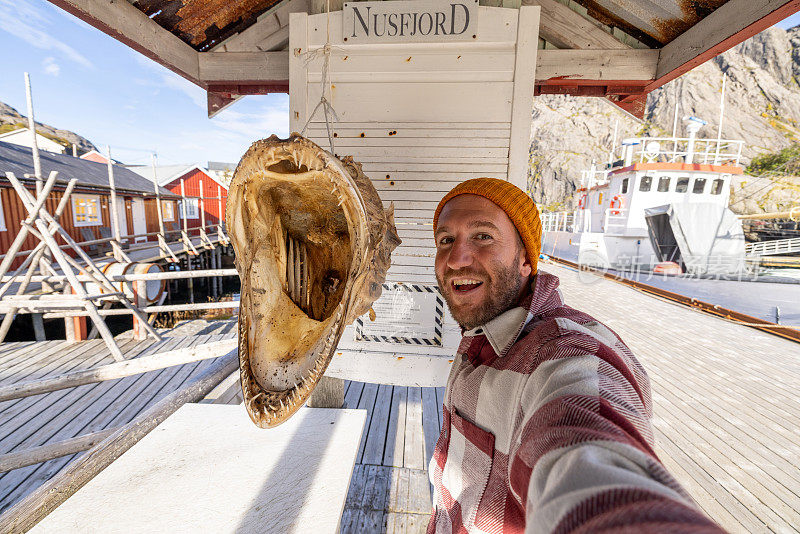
(547, 413)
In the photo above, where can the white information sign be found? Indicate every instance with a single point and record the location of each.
(410, 21)
(404, 313)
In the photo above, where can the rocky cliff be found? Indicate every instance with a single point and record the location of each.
(762, 108)
(11, 119)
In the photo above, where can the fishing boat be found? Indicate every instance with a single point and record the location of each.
(657, 213)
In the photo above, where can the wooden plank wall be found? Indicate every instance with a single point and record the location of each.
(420, 118)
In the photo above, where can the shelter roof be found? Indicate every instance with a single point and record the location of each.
(17, 159)
(233, 48)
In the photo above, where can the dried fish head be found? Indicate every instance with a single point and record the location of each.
(313, 244)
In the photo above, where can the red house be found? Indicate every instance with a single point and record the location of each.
(206, 191)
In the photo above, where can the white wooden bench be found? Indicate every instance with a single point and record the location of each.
(208, 468)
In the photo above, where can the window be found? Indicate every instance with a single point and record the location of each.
(699, 185)
(86, 210)
(191, 209)
(2, 217)
(646, 183)
(716, 186)
(168, 210)
(624, 186)
(682, 186)
(663, 184)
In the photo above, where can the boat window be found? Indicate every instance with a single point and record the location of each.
(645, 183)
(625, 186)
(663, 184)
(683, 185)
(716, 186)
(699, 185)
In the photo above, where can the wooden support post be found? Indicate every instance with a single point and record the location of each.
(35, 506)
(114, 206)
(37, 164)
(185, 210)
(158, 198)
(329, 393)
(79, 328)
(190, 281)
(69, 326)
(38, 327)
(139, 301)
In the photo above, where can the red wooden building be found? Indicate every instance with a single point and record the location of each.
(205, 190)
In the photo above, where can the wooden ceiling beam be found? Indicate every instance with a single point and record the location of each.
(729, 25)
(272, 68)
(125, 23)
(244, 67)
(565, 28)
(630, 64)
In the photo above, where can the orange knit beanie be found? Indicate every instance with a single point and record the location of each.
(518, 206)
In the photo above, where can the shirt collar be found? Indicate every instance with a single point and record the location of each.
(504, 330)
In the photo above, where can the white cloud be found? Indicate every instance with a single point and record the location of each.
(271, 119)
(50, 66)
(24, 20)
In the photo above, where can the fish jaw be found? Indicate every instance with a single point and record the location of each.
(311, 240)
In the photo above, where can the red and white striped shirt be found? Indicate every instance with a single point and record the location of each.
(547, 429)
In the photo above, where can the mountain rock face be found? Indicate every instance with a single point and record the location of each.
(10, 116)
(762, 108)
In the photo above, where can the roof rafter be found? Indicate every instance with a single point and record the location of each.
(565, 28)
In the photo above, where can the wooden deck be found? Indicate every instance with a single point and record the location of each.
(63, 414)
(726, 412)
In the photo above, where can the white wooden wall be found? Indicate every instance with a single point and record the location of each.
(421, 117)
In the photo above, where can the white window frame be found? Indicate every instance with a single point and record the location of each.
(193, 208)
(76, 197)
(2, 217)
(168, 206)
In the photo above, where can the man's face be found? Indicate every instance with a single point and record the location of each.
(481, 264)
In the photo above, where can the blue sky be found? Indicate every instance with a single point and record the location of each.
(89, 83)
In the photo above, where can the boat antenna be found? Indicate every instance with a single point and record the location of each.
(721, 115)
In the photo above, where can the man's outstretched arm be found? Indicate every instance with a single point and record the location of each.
(584, 459)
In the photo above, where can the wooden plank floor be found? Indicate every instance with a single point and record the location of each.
(55, 416)
(389, 490)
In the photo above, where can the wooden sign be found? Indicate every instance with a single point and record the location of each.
(410, 21)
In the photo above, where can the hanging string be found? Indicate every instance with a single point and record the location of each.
(324, 103)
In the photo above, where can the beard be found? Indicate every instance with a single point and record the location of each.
(502, 292)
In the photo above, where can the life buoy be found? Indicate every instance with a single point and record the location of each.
(617, 202)
(582, 202)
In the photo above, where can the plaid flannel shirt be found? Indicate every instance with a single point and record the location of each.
(547, 429)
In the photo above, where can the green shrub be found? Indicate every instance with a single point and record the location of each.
(785, 161)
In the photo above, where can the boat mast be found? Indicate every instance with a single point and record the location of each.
(721, 115)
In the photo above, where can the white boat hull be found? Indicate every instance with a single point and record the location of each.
(600, 249)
